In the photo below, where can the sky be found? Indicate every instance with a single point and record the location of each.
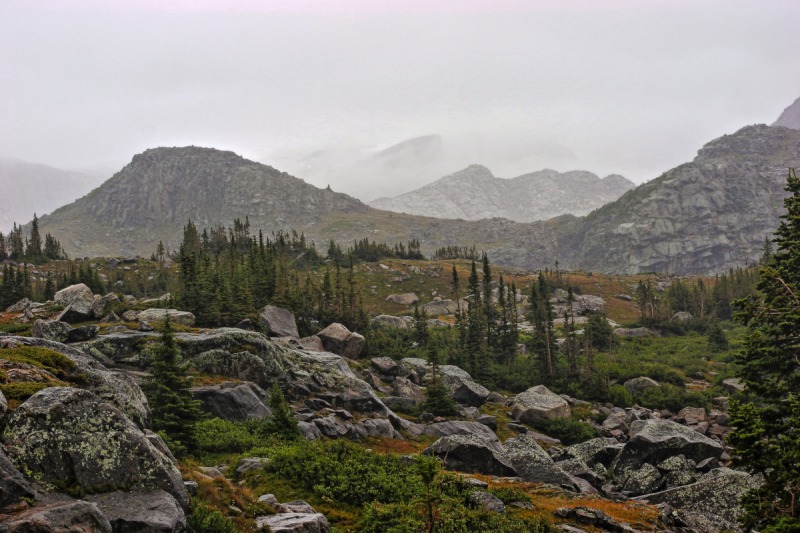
(627, 87)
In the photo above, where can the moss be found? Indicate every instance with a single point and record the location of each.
(44, 358)
(21, 391)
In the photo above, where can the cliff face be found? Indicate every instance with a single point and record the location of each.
(701, 217)
(475, 194)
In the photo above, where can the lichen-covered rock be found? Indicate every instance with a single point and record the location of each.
(184, 318)
(461, 427)
(642, 480)
(82, 333)
(13, 486)
(636, 386)
(385, 365)
(151, 512)
(715, 497)
(233, 401)
(52, 330)
(539, 404)
(68, 438)
(652, 441)
(408, 298)
(102, 303)
(76, 293)
(403, 388)
(487, 501)
(240, 365)
(294, 523)
(278, 322)
(592, 452)
(337, 339)
(22, 306)
(392, 322)
(470, 453)
(60, 517)
(533, 464)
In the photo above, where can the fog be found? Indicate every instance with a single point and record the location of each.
(317, 88)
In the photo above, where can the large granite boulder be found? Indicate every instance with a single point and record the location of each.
(533, 464)
(77, 301)
(151, 512)
(184, 318)
(461, 427)
(102, 304)
(294, 523)
(713, 499)
(68, 438)
(539, 404)
(233, 401)
(472, 453)
(13, 486)
(339, 340)
(652, 441)
(278, 322)
(408, 298)
(392, 322)
(592, 452)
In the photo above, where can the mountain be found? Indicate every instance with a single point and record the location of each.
(32, 188)
(790, 118)
(700, 217)
(474, 193)
(153, 197)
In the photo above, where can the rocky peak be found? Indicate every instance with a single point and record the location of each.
(790, 118)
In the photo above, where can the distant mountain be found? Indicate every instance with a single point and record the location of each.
(29, 188)
(700, 217)
(153, 197)
(790, 118)
(474, 194)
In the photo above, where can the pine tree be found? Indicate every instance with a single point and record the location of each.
(767, 434)
(33, 252)
(174, 410)
(282, 423)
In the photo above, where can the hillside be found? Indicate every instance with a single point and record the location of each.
(35, 188)
(701, 217)
(475, 193)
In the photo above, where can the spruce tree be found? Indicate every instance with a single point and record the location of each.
(767, 434)
(282, 423)
(174, 410)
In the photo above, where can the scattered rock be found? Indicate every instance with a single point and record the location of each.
(393, 322)
(487, 501)
(82, 334)
(635, 332)
(233, 401)
(184, 318)
(471, 453)
(60, 517)
(294, 523)
(408, 298)
(52, 330)
(278, 322)
(155, 511)
(533, 464)
(385, 365)
(733, 385)
(637, 386)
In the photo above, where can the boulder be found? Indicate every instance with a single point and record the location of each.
(692, 415)
(153, 512)
(278, 322)
(22, 306)
(642, 480)
(79, 293)
(52, 330)
(635, 332)
(339, 340)
(486, 501)
(154, 314)
(101, 304)
(385, 365)
(408, 298)
(82, 334)
(248, 464)
(539, 404)
(59, 517)
(233, 401)
(681, 316)
(238, 365)
(392, 322)
(246, 324)
(471, 453)
(592, 452)
(403, 388)
(733, 385)
(380, 427)
(66, 437)
(443, 307)
(652, 441)
(294, 523)
(460, 427)
(714, 498)
(533, 464)
(312, 343)
(466, 391)
(636, 386)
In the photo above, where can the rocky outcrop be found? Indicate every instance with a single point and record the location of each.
(69, 439)
(184, 318)
(52, 330)
(408, 298)
(472, 453)
(533, 464)
(539, 404)
(154, 512)
(64, 516)
(790, 118)
(393, 322)
(278, 322)
(636, 386)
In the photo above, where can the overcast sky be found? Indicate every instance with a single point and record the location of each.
(628, 87)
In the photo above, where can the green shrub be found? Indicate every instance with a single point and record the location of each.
(23, 390)
(223, 436)
(44, 358)
(619, 396)
(205, 519)
(671, 397)
(510, 494)
(568, 430)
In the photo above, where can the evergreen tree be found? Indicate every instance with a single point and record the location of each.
(282, 423)
(33, 252)
(173, 408)
(767, 434)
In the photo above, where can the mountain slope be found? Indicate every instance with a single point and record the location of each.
(790, 118)
(701, 217)
(152, 197)
(474, 194)
(34, 188)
